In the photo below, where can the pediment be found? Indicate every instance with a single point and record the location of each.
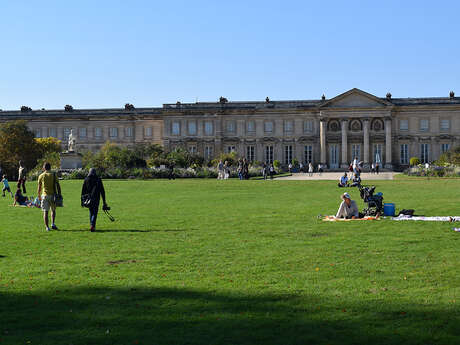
(356, 98)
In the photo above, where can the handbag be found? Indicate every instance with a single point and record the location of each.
(57, 198)
(86, 200)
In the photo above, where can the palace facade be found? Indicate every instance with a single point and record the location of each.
(328, 131)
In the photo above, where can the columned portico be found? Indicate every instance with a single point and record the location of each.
(344, 158)
(366, 142)
(322, 135)
(388, 164)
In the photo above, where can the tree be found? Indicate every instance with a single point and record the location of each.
(17, 143)
(49, 145)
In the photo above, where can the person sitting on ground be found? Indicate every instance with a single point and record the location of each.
(6, 186)
(348, 208)
(356, 182)
(343, 182)
(20, 199)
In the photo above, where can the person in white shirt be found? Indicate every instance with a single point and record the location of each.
(310, 169)
(348, 208)
(343, 182)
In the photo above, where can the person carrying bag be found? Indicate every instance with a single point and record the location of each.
(91, 193)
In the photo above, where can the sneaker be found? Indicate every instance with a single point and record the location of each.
(92, 229)
(48, 229)
(54, 227)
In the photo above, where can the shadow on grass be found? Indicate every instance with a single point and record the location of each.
(185, 316)
(2, 256)
(122, 230)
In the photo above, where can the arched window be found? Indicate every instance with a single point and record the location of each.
(356, 126)
(334, 126)
(377, 125)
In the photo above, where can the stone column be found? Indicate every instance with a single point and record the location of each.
(322, 136)
(388, 164)
(344, 158)
(366, 143)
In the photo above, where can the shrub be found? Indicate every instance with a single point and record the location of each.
(277, 164)
(414, 161)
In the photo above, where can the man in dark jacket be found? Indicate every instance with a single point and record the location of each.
(91, 194)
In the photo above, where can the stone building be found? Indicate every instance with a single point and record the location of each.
(94, 127)
(331, 132)
(328, 131)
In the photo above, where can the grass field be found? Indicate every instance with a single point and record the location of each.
(231, 262)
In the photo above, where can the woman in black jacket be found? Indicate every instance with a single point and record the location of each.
(91, 193)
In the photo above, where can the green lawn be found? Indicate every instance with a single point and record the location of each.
(232, 262)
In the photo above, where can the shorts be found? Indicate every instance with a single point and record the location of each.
(6, 189)
(48, 203)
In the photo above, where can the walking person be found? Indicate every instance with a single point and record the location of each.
(93, 190)
(377, 168)
(310, 169)
(6, 186)
(220, 171)
(22, 177)
(240, 169)
(373, 168)
(226, 171)
(48, 188)
(272, 171)
(264, 171)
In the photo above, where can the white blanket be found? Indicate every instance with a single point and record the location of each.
(428, 219)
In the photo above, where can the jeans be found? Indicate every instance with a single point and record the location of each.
(93, 215)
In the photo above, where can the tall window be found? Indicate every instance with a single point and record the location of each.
(445, 148)
(424, 125)
(268, 126)
(208, 128)
(250, 153)
(148, 131)
(129, 132)
(192, 128)
(231, 148)
(356, 151)
(404, 154)
(113, 132)
(445, 125)
(288, 126)
(403, 125)
(192, 149)
(82, 132)
(66, 133)
(38, 133)
(424, 153)
(269, 154)
(308, 152)
(308, 126)
(175, 128)
(378, 153)
(231, 126)
(97, 132)
(287, 154)
(52, 132)
(251, 126)
(208, 152)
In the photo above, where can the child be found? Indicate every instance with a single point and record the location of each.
(6, 186)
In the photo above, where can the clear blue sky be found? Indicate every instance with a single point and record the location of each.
(95, 54)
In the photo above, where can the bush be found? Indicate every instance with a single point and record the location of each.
(414, 161)
(277, 164)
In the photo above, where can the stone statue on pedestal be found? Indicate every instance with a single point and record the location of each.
(71, 143)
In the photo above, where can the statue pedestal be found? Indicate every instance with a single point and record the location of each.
(71, 160)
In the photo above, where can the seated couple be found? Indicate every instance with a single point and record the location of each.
(22, 200)
(343, 182)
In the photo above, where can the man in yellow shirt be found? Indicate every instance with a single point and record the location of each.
(48, 186)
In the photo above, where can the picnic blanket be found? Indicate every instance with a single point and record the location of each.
(428, 219)
(333, 219)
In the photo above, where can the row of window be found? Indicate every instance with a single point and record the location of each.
(308, 153)
(230, 127)
(424, 125)
(424, 152)
(82, 132)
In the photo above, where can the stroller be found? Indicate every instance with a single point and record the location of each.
(374, 202)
